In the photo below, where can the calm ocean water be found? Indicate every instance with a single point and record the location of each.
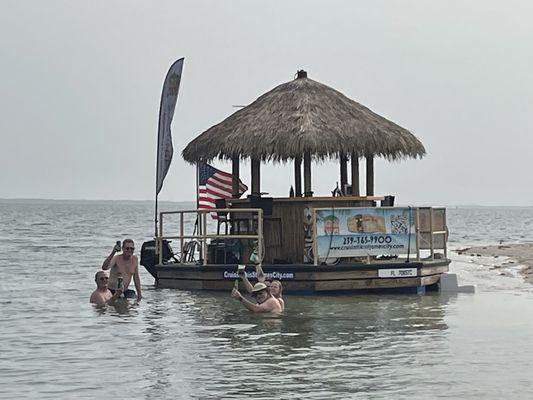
(177, 344)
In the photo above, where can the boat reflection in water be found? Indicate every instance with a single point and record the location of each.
(318, 345)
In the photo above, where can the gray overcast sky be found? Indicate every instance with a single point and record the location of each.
(81, 83)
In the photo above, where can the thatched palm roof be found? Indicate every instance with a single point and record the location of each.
(303, 116)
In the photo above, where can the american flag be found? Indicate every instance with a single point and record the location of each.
(214, 184)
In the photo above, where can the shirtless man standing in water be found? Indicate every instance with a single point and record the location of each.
(124, 265)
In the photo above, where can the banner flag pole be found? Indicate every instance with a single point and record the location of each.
(155, 219)
(196, 224)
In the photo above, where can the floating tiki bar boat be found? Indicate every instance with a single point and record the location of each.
(315, 245)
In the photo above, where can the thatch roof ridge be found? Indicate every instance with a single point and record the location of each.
(303, 116)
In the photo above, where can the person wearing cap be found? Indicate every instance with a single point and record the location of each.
(275, 287)
(265, 301)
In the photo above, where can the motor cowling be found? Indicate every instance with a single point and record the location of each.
(149, 257)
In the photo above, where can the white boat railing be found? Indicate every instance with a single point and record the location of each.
(431, 230)
(202, 237)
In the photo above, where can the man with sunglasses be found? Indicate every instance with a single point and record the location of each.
(102, 295)
(126, 266)
(266, 303)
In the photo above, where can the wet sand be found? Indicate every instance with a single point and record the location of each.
(519, 253)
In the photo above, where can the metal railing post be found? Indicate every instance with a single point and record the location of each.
(445, 226)
(431, 233)
(204, 241)
(181, 234)
(260, 249)
(159, 241)
(315, 245)
(417, 230)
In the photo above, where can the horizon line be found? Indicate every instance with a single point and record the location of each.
(27, 199)
(66, 199)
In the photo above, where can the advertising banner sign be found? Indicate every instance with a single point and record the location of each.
(169, 97)
(363, 231)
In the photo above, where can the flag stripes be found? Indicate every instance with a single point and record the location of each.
(214, 184)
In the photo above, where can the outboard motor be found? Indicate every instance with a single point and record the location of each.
(149, 257)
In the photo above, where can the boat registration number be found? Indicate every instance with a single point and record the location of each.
(397, 273)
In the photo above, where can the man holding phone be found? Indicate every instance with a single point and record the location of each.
(124, 265)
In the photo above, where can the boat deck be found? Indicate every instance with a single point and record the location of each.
(306, 278)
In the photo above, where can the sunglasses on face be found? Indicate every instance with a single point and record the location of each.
(103, 278)
(129, 248)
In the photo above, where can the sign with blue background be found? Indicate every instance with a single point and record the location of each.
(358, 232)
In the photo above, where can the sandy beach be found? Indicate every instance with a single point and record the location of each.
(518, 253)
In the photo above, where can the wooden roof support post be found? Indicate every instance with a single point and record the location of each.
(256, 177)
(344, 172)
(307, 175)
(298, 176)
(235, 177)
(370, 175)
(355, 175)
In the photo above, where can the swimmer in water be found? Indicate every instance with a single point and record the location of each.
(275, 287)
(102, 295)
(265, 302)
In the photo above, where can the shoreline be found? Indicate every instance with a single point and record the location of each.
(518, 253)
